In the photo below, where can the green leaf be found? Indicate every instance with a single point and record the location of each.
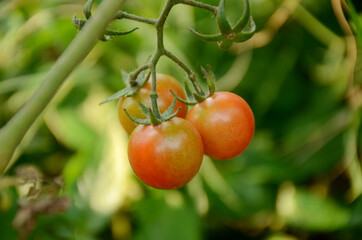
(305, 210)
(158, 220)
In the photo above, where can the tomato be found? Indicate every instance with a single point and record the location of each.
(166, 156)
(225, 122)
(163, 85)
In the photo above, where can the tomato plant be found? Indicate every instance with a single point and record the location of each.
(164, 84)
(225, 122)
(166, 156)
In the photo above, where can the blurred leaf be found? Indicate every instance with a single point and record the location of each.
(308, 211)
(156, 220)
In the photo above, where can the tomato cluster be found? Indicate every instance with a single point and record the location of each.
(169, 155)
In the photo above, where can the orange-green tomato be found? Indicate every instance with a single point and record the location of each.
(166, 156)
(164, 83)
(225, 122)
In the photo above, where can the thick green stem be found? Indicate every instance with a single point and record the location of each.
(12, 133)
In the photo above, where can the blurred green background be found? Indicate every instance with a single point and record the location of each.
(299, 179)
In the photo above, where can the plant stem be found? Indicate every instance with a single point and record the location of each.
(121, 14)
(190, 74)
(201, 5)
(12, 133)
(160, 49)
(135, 73)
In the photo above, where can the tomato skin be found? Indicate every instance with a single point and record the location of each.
(226, 124)
(166, 156)
(164, 83)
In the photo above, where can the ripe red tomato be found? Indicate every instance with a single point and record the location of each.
(166, 156)
(163, 85)
(225, 122)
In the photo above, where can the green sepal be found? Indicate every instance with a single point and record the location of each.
(210, 78)
(125, 77)
(189, 92)
(143, 79)
(120, 93)
(87, 9)
(170, 108)
(118, 33)
(225, 44)
(242, 37)
(144, 109)
(79, 24)
(207, 37)
(153, 119)
(198, 97)
(223, 23)
(247, 33)
(129, 90)
(172, 115)
(137, 120)
(181, 100)
(243, 21)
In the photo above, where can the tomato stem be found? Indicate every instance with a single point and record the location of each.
(121, 15)
(201, 5)
(190, 74)
(133, 76)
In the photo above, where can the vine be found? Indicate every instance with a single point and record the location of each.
(241, 31)
(94, 26)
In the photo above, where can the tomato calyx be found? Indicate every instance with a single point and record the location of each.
(243, 30)
(195, 96)
(132, 85)
(152, 118)
(108, 34)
